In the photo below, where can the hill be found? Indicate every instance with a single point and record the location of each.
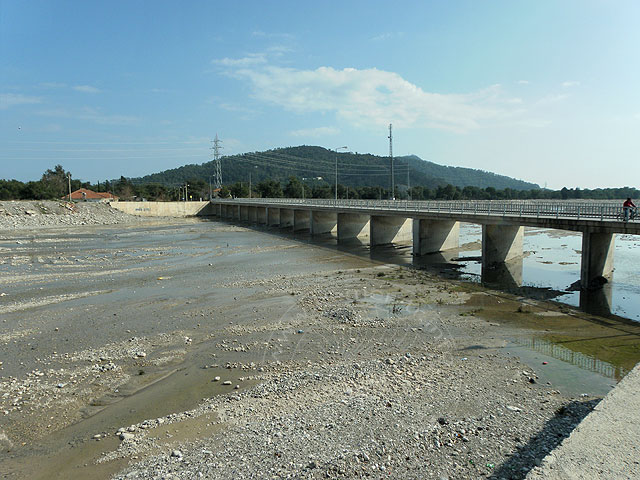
(354, 170)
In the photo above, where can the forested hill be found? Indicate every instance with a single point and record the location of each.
(354, 170)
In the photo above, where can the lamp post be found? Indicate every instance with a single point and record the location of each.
(250, 170)
(336, 158)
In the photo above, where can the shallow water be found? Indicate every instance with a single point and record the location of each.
(552, 261)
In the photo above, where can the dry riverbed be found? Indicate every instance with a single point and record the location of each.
(206, 350)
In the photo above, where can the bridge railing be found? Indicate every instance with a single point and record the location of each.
(519, 208)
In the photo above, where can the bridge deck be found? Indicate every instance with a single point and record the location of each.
(593, 217)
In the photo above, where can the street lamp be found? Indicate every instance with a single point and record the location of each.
(336, 158)
(255, 166)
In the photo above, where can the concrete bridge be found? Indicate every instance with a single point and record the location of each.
(433, 226)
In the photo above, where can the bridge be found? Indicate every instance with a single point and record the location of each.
(433, 226)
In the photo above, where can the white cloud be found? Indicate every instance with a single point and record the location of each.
(12, 99)
(314, 132)
(386, 36)
(569, 84)
(91, 115)
(371, 96)
(523, 82)
(249, 60)
(86, 89)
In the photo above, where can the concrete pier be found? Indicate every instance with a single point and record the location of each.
(385, 230)
(286, 218)
(500, 244)
(273, 216)
(430, 236)
(244, 213)
(352, 226)
(597, 257)
(261, 215)
(301, 220)
(253, 214)
(323, 222)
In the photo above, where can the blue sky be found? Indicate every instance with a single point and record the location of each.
(544, 91)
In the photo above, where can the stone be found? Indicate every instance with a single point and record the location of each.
(226, 382)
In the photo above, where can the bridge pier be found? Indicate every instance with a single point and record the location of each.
(352, 226)
(323, 222)
(235, 212)
(385, 230)
(261, 213)
(273, 216)
(244, 213)
(430, 236)
(301, 220)
(286, 217)
(501, 243)
(253, 214)
(597, 257)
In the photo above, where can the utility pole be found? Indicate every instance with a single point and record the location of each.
(69, 177)
(408, 186)
(216, 160)
(186, 192)
(393, 184)
(336, 153)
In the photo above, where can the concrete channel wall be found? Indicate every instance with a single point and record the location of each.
(165, 209)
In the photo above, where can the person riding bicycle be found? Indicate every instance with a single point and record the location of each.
(627, 206)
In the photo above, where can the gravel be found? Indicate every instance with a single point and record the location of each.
(27, 214)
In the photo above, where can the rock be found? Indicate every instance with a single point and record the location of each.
(226, 382)
(216, 379)
(141, 354)
(176, 453)
(126, 436)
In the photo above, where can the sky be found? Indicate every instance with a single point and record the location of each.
(543, 91)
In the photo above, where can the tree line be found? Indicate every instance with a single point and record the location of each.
(54, 184)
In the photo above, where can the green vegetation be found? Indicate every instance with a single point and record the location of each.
(309, 172)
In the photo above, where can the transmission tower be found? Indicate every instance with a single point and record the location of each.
(393, 183)
(216, 159)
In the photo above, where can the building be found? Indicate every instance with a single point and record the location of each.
(86, 195)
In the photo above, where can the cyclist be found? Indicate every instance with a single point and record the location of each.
(627, 206)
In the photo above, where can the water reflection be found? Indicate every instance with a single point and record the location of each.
(598, 301)
(507, 275)
(582, 360)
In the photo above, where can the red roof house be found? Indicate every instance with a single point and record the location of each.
(86, 195)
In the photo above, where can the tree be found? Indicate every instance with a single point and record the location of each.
(269, 189)
(55, 182)
(294, 188)
(239, 190)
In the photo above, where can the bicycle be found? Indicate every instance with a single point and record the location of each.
(633, 214)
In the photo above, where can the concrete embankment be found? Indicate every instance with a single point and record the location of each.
(165, 209)
(606, 444)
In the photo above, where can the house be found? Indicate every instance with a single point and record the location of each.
(86, 195)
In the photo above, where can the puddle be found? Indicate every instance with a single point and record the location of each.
(584, 353)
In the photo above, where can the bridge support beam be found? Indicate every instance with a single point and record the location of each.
(352, 226)
(430, 236)
(501, 243)
(597, 258)
(323, 222)
(261, 215)
(273, 216)
(244, 213)
(301, 220)
(235, 212)
(253, 214)
(286, 217)
(385, 230)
